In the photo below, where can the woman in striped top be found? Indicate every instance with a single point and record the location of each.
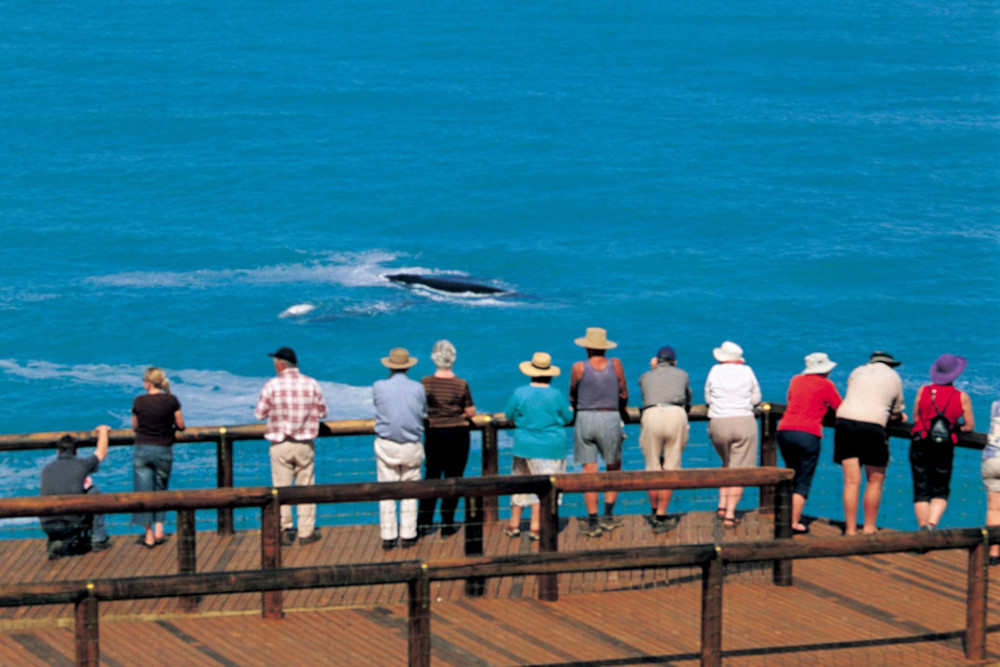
(446, 439)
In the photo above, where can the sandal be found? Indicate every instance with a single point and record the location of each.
(533, 536)
(720, 513)
(730, 522)
(512, 532)
(142, 541)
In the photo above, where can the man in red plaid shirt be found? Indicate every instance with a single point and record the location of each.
(293, 404)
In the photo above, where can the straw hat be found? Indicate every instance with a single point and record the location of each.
(399, 359)
(539, 366)
(947, 368)
(818, 363)
(596, 339)
(728, 351)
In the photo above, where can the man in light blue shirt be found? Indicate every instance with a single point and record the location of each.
(400, 411)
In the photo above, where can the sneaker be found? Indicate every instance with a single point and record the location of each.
(408, 542)
(664, 525)
(288, 537)
(101, 546)
(650, 519)
(450, 529)
(591, 529)
(609, 523)
(388, 544)
(309, 539)
(54, 549)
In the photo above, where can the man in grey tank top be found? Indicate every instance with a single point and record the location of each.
(599, 395)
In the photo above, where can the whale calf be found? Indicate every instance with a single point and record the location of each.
(444, 284)
(298, 309)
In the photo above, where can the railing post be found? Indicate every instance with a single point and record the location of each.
(270, 554)
(768, 452)
(979, 579)
(491, 468)
(548, 539)
(418, 627)
(783, 529)
(224, 473)
(187, 559)
(88, 649)
(474, 586)
(711, 611)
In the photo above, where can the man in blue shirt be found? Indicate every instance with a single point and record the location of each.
(400, 410)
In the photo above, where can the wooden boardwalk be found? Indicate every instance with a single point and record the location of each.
(870, 610)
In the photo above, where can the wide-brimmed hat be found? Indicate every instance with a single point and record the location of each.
(596, 339)
(285, 354)
(728, 351)
(399, 359)
(539, 366)
(818, 363)
(947, 367)
(884, 357)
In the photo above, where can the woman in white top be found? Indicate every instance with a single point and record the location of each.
(731, 392)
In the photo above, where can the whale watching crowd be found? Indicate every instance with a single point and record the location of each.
(426, 425)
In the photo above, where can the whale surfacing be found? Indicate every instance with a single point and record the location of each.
(444, 284)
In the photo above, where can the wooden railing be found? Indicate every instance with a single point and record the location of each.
(223, 437)
(417, 575)
(474, 489)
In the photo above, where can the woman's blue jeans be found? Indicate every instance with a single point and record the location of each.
(150, 472)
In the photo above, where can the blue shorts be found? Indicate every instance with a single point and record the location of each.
(597, 432)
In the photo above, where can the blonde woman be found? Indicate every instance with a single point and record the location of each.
(156, 415)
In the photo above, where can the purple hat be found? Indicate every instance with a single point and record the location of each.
(666, 353)
(947, 368)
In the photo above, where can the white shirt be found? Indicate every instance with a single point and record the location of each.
(731, 390)
(874, 392)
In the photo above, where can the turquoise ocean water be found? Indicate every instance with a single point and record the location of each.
(791, 177)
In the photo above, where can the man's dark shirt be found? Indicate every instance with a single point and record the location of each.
(64, 477)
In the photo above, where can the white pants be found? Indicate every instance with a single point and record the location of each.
(398, 462)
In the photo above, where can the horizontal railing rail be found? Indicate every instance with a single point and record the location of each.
(417, 575)
(350, 427)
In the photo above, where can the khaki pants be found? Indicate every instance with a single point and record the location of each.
(293, 461)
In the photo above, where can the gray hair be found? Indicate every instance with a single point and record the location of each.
(443, 355)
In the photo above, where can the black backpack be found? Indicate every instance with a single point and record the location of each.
(940, 428)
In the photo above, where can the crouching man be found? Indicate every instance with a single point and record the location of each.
(68, 474)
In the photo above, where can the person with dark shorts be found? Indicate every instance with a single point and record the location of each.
(874, 398)
(811, 395)
(930, 461)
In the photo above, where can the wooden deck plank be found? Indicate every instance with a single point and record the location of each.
(864, 609)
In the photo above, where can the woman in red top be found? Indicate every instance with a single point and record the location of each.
(930, 461)
(811, 395)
